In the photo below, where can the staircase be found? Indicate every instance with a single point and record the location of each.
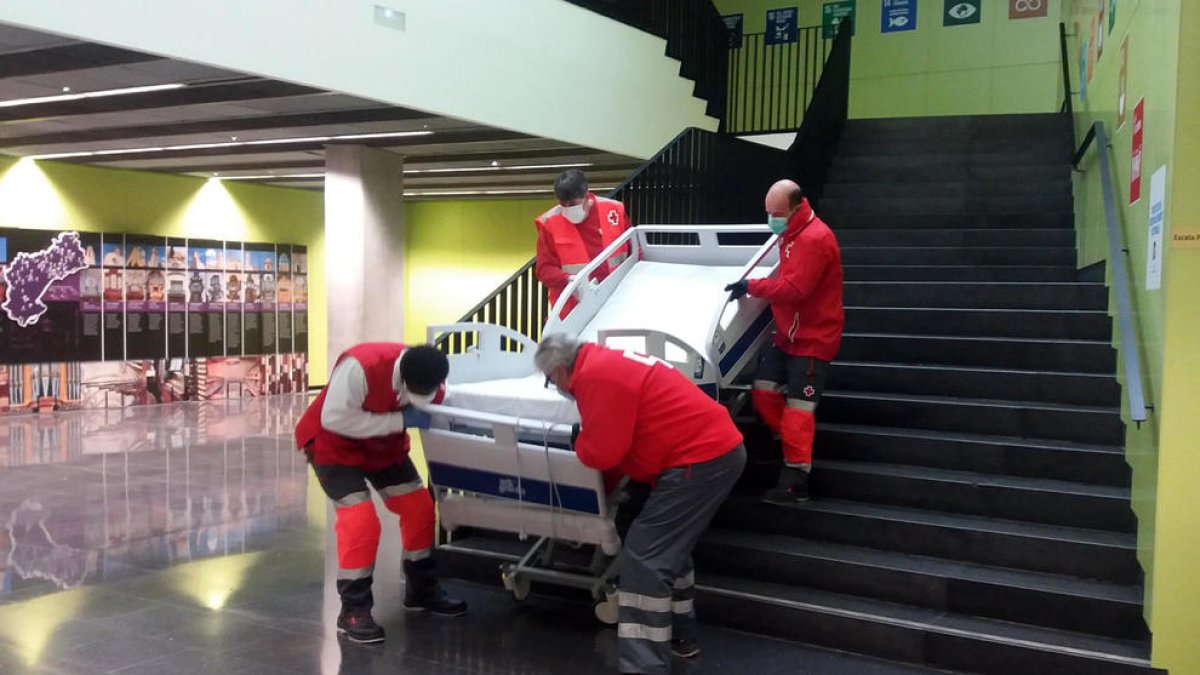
(972, 503)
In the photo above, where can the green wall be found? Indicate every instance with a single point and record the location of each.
(457, 252)
(997, 66)
(55, 195)
(1163, 453)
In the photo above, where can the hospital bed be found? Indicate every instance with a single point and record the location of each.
(498, 446)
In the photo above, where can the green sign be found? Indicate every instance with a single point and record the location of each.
(832, 14)
(961, 12)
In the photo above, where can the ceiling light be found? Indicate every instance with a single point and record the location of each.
(66, 89)
(496, 167)
(88, 94)
(276, 176)
(495, 162)
(462, 193)
(232, 144)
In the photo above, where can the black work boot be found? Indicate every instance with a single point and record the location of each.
(423, 593)
(792, 488)
(357, 624)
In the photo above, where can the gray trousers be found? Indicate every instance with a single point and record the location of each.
(656, 588)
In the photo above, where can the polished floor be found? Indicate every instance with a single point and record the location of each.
(190, 539)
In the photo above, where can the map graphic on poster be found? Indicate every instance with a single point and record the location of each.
(29, 275)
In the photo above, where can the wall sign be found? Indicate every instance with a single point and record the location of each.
(1154, 245)
(1027, 9)
(961, 12)
(1122, 105)
(1135, 157)
(781, 26)
(832, 14)
(734, 24)
(897, 16)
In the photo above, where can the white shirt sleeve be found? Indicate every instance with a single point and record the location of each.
(343, 410)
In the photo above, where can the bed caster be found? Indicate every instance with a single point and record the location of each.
(607, 609)
(517, 585)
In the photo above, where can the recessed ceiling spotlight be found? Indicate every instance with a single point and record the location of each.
(66, 89)
(495, 162)
(233, 138)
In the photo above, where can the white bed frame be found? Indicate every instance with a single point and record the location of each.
(517, 475)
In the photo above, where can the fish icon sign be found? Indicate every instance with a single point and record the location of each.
(962, 10)
(898, 21)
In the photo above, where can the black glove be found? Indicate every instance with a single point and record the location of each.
(737, 289)
(575, 429)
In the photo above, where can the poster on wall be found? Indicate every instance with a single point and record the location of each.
(1028, 9)
(1135, 154)
(781, 26)
(145, 297)
(961, 12)
(234, 289)
(283, 297)
(206, 298)
(1091, 52)
(1155, 226)
(832, 14)
(299, 298)
(1123, 57)
(91, 301)
(113, 268)
(41, 278)
(177, 297)
(897, 16)
(258, 258)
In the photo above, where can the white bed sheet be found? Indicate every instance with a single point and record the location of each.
(523, 397)
(680, 300)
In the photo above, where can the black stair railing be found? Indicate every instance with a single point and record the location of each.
(699, 177)
(770, 86)
(824, 118)
(695, 33)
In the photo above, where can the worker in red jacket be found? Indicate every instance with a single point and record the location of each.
(354, 433)
(805, 295)
(574, 232)
(640, 415)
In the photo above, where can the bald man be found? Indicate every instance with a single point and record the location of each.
(805, 294)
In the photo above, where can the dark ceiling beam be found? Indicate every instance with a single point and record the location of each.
(317, 163)
(438, 138)
(62, 58)
(222, 92)
(235, 124)
(627, 166)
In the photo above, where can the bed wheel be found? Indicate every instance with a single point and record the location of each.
(607, 609)
(518, 585)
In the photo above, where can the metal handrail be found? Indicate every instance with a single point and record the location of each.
(1117, 251)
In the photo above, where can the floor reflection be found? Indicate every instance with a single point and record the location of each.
(189, 540)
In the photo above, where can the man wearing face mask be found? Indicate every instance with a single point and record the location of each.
(354, 432)
(574, 232)
(805, 295)
(642, 416)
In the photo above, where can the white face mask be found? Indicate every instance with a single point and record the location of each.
(575, 214)
(420, 400)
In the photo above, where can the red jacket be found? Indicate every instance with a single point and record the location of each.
(378, 361)
(806, 291)
(565, 248)
(643, 416)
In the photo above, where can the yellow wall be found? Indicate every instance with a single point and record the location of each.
(1152, 69)
(54, 195)
(997, 66)
(456, 252)
(1175, 618)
